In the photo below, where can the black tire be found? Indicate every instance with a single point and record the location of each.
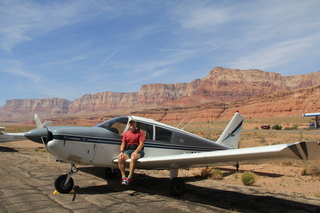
(176, 187)
(110, 173)
(59, 184)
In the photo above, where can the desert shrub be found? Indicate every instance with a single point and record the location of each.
(303, 172)
(288, 128)
(211, 173)
(205, 172)
(248, 178)
(216, 174)
(295, 126)
(312, 168)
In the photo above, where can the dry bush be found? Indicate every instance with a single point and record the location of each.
(311, 168)
(211, 173)
(248, 178)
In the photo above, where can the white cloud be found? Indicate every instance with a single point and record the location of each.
(204, 18)
(15, 68)
(277, 54)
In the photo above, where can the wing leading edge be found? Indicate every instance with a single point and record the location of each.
(284, 152)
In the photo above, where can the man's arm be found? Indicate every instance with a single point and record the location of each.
(141, 144)
(123, 147)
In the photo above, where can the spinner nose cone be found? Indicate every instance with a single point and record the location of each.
(37, 135)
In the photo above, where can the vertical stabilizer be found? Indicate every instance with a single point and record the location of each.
(230, 137)
(38, 122)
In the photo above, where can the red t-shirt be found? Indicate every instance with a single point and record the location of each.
(133, 138)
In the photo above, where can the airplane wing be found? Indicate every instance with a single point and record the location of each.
(283, 152)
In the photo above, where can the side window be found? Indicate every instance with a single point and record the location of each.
(146, 129)
(163, 134)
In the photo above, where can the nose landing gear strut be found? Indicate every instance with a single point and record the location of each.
(64, 183)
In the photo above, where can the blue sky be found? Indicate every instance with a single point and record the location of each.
(67, 48)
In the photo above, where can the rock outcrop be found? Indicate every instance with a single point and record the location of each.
(220, 85)
(103, 101)
(160, 93)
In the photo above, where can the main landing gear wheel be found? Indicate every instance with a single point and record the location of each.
(176, 187)
(61, 185)
(110, 172)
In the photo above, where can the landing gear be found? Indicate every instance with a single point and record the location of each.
(110, 172)
(64, 183)
(176, 186)
(62, 186)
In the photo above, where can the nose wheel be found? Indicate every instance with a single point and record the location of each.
(64, 183)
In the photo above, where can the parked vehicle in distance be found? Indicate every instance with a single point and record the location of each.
(265, 127)
(277, 127)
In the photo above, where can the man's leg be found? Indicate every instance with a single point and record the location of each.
(133, 164)
(121, 164)
(132, 167)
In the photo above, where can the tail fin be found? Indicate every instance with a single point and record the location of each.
(230, 137)
(39, 124)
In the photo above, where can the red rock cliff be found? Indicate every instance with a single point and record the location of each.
(220, 85)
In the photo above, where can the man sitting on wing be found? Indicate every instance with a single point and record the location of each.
(132, 143)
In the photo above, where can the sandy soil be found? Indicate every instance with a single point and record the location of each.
(272, 177)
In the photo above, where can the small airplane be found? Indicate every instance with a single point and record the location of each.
(166, 147)
(7, 137)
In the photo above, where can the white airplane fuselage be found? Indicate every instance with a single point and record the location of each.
(102, 149)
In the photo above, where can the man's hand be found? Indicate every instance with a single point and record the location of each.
(134, 155)
(120, 156)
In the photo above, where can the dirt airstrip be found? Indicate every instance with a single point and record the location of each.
(27, 185)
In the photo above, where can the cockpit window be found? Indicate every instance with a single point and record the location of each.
(116, 125)
(163, 134)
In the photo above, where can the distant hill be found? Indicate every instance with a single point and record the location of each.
(255, 92)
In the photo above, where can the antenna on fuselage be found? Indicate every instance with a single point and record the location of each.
(187, 124)
(180, 122)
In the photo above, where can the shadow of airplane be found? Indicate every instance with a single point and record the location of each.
(228, 199)
(7, 149)
(264, 174)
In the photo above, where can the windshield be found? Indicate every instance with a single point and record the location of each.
(116, 125)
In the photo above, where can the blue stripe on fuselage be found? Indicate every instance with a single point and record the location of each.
(148, 144)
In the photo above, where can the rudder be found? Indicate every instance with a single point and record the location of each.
(230, 137)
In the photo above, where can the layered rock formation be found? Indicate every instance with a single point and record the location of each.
(221, 85)
(278, 104)
(103, 101)
(160, 93)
